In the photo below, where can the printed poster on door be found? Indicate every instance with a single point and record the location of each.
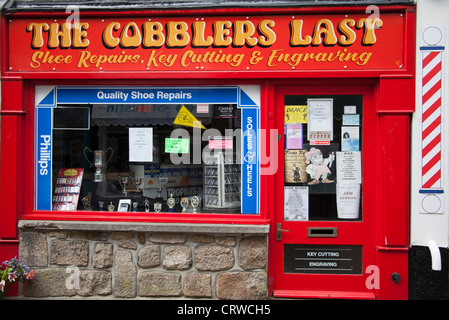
(320, 119)
(296, 203)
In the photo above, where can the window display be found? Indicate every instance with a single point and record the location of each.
(173, 150)
(135, 160)
(221, 183)
(323, 165)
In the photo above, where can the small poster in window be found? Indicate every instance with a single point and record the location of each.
(351, 119)
(350, 140)
(67, 189)
(295, 166)
(349, 167)
(320, 163)
(177, 145)
(295, 114)
(296, 203)
(293, 136)
(348, 200)
(350, 109)
(202, 108)
(320, 119)
(220, 143)
(140, 144)
(186, 118)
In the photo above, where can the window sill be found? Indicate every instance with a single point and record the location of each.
(215, 228)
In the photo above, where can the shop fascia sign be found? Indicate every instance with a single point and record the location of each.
(309, 42)
(246, 97)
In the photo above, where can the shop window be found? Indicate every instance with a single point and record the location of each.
(168, 156)
(323, 163)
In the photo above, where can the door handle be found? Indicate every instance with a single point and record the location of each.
(279, 231)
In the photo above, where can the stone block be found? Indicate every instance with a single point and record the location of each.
(141, 238)
(177, 258)
(89, 235)
(125, 274)
(226, 241)
(253, 253)
(242, 285)
(170, 238)
(103, 256)
(60, 234)
(127, 244)
(202, 238)
(159, 284)
(50, 282)
(214, 258)
(95, 282)
(149, 256)
(122, 235)
(69, 252)
(198, 285)
(33, 249)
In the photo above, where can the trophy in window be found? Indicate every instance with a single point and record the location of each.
(158, 201)
(157, 207)
(171, 203)
(147, 205)
(195, 203)
(184, 204)
(99, 162)
(124, 180)
(138, 183)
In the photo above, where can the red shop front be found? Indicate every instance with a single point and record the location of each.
(291, 118)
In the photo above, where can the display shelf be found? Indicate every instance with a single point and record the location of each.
(221, 182)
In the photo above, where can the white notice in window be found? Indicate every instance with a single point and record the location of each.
(140, 144)
(296, 203)
(349, 167)
(320, 117)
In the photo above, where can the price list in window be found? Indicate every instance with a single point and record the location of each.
(67, 189)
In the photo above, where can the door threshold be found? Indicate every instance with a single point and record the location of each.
(315, 294)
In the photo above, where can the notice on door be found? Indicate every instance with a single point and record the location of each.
(320, 119)
(327, 259)
(349, 167)
(296, 203)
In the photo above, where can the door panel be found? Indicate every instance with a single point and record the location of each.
(322, 246)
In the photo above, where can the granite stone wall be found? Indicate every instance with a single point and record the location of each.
(111, 264)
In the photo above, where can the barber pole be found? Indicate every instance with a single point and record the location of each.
(431, 117)
(431, 189)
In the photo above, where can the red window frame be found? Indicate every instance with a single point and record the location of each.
(29, 213)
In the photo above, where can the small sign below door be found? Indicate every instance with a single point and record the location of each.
(326, 259)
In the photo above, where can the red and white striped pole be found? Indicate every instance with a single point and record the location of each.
(431, 118)
(431, 122)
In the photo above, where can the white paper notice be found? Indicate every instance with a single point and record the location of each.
(349, 167)
(296, 203)
(140, 144)
(348, 201)
(320, 117)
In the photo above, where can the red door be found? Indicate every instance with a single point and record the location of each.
(325, 207)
